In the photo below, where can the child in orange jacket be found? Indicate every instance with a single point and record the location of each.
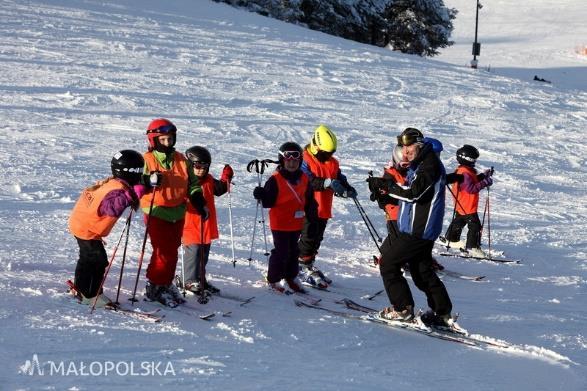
(467, 185)
(95, 214)
(196, 243)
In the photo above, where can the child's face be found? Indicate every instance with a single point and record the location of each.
(291, 165)
(200, 169)
(166, 140)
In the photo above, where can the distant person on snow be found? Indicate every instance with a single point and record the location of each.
(196, 243)
(173, 184)
(95, 214)
(466, 189)
(327, 181)
(419, 223)
(290, 198)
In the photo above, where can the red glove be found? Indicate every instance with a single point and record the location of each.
(227, 174)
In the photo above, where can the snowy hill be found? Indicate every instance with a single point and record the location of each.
(81, 80)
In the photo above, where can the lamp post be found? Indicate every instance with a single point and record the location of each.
(476, 45)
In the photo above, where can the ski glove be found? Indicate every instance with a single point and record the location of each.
(376, 184)
(338, 187)
(227, 174)
(204, 213)
(488, 181)
(155, 178)
(351, 192)
(258, 193)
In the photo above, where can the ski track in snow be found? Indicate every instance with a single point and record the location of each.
(80, 81)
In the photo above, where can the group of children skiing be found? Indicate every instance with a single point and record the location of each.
(176, 195)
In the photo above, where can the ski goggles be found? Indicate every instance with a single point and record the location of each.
(200, 165)
(165, 129)
(290, 155)
(408, 139)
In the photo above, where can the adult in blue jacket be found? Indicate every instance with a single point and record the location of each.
(420, 223)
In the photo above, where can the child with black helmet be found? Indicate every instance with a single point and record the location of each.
(196, 243)
(466, 187)
(290, 198)
(95, 214)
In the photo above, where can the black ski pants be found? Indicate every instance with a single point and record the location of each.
(418, 254)
(283, 261)
(312, 236)
(90, 268)
(473, 224)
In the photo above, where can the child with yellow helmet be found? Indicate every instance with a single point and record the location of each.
(327, 181)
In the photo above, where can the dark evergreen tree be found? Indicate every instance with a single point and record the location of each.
(411, 26)
(419, 26)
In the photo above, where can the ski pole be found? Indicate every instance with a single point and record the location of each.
(366, 223)
(488, 225)
(111, 262)
(369, 222)
(123, 259)
(230, 222)
(454, 212)
(134, 292)
(263, 165)
(202, 299)
(182, 271)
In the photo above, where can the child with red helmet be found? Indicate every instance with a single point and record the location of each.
(173, 185)
(196, 243)
(93, 217)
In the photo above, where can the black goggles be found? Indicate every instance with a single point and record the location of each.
(408, 139)
(290, 155)
(200, 164)
(163, 129)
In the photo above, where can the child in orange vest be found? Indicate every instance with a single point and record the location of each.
(174, 185)
(468, 184)
(327, 181)
(95, 214)
(289, 195)
(396, 171)
(195, 243)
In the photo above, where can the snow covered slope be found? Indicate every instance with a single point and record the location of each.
(81, 80)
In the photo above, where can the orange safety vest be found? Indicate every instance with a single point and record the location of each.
(192, 233)
(466, 202)
(391, 210)
(174, 184)
(328, 169)
(84, 222)
(288, 212)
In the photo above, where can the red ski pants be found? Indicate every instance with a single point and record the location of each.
(165, 240)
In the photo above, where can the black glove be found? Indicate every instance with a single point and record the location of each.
(376, 184)
(351, 192)
(454, 177)
(259, 193)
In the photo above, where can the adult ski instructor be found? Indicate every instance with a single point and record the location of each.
(420, 223)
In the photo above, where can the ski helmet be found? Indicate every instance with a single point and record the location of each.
(467, 155)
(289, 151)
(410, 136)
(323, 140)
(158, 127)
(397, 156)
(199, 157)
(437, 146)
(128, 165)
